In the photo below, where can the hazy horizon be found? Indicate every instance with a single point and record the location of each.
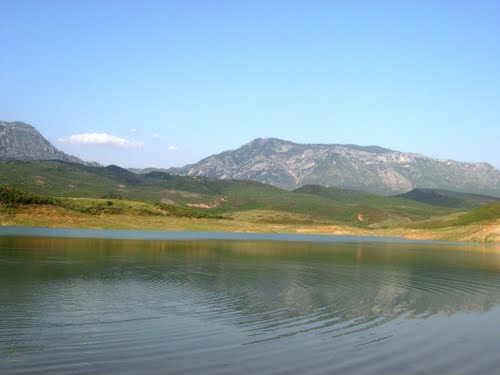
(167, 84)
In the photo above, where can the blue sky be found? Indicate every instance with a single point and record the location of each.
(165, 83)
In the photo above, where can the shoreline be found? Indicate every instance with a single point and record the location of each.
(55, 217)
(161, 235)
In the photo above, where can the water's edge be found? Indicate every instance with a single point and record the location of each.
(8, 231)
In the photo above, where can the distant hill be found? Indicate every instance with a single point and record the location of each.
(248, 200)
(290, 165)
(66, 179)
(341, 195)
(446, 198)
(372, 169)
(20, 141)
(146, 170)
(484, 214)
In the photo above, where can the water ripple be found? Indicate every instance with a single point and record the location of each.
(183, 311)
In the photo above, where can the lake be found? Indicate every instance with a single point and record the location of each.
(224, 304)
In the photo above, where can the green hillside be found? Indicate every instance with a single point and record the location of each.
(230, 198)
(483, 214)
(63, 179)
(11, 199)
(445, 198)
(375, 209)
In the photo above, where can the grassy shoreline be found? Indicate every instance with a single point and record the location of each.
(58, 217)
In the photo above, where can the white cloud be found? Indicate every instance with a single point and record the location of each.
(155, 136)
(100, 139)
(173, 148)
(133, 130)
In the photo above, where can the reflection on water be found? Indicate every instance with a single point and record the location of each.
(111, 306)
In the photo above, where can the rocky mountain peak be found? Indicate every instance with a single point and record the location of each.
(367, 168)
(21, 141)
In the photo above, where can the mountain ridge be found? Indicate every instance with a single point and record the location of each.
(21, 141)
(290, 165)
(373, 169)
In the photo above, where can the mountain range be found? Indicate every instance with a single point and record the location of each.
(291, 165)
(366, 168)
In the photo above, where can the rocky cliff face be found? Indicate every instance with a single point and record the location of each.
(20, 141)
(374, 169)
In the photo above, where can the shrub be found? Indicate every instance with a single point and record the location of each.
(15, 196)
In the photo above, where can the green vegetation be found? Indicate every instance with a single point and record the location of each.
(118, 207)
(483, 214)
(147, 200)
(11, 199)
(445, 198)
(11, 196)
(375, 210)
(63, 179)
(224, 197)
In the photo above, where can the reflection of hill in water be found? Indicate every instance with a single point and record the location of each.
(344, 292)
(268, 289)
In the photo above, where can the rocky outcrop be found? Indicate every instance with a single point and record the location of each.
(20, 141)
(374, 169)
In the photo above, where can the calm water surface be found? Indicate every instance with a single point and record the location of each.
(110, 306)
